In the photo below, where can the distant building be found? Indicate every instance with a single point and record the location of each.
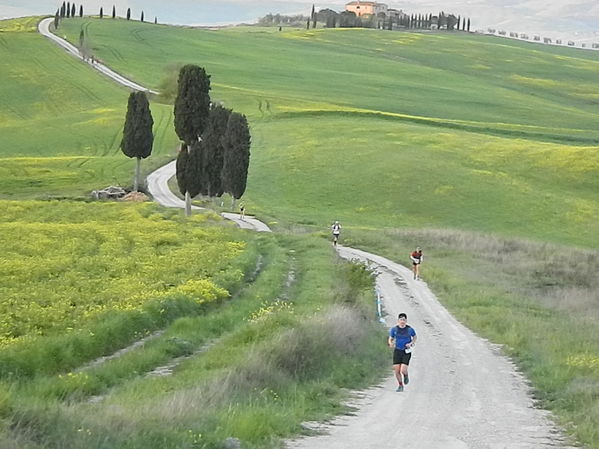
(396, 14)
(366, 8)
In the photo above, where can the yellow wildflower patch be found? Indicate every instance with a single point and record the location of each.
(583, 361)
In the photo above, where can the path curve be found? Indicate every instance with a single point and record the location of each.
(44, 29)
(159, 189)
(463, 393)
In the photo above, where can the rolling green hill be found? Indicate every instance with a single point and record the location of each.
(60, 122)
(382, 129)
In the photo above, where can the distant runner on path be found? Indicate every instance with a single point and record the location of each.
(242, 211)
(402, 339)
(336, 228)
(416, 258)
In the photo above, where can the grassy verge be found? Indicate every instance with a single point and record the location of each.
(538, 300)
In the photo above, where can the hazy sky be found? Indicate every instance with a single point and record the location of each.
(576, 19)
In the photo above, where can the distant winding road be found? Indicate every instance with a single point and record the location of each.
(463, 394)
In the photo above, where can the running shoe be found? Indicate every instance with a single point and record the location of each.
(399, 389)
(406, 379)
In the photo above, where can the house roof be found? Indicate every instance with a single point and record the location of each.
(362, 3)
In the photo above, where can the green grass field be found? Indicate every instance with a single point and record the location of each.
(61, 123)
(458, 131)
(464, 144)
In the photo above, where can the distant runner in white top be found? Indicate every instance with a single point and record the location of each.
(336, 228)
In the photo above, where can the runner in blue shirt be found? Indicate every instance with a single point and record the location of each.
(402, 338)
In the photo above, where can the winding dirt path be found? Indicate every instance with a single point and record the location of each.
(463, 393)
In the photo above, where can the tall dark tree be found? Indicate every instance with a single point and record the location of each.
(63, 10)
(213, 151)
(141, 19)
(113, 11)
(81, 38)
(192, 104)
(192, 109)
(128, 13)
(182, 169)
(56, 19)
(468, 26)
(313, 16)
(68, 10)
(236, 144)
(81, 11)
(101, 12)
(73, 10)
(137, 134)
(155, 20)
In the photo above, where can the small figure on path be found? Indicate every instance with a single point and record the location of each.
(242, 211)
(336, 228)
(417, 258)
(402, 339)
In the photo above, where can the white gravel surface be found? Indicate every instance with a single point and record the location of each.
(462, 394)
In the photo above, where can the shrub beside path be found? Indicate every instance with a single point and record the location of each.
(463, 392)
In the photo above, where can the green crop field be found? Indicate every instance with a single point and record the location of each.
(384, 129)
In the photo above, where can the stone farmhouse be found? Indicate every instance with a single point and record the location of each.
(366, 8)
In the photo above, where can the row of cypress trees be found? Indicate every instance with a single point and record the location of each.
(215, 141)
(68, 10)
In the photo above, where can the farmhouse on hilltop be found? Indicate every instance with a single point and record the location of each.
(366, 8)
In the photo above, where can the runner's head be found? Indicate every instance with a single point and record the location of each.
(402, 318)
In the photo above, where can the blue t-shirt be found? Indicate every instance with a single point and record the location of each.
(402, 336)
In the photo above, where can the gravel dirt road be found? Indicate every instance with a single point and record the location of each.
(462, 394)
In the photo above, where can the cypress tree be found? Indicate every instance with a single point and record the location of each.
(113, 11)
(181, 169)
(192, 104)
(63, 11)
(155, 20)
(73, 10)
(101, 12)
(468, 27)
(236, 143)
(81, 38)
(56, 19)
(142, 17)
(213, 151)
(128, 13)
(137, 133)
(68, 10)
(192, 109)
(81, 11)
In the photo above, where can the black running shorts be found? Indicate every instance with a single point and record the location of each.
(400, 357)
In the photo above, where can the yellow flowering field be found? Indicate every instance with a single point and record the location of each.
(64, 264)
